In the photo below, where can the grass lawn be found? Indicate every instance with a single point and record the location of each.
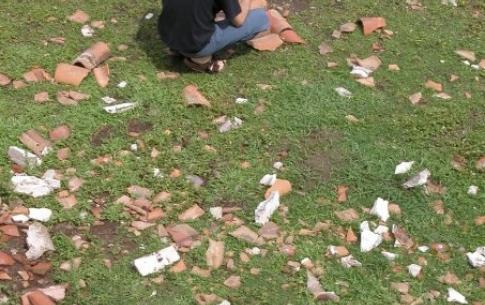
(301, 122)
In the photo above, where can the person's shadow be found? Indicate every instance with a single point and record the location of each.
(149, 40)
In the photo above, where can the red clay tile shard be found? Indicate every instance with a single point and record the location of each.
(291, 36)
(347, 215)
(191, 213)
(269, 42)
(101, 74)
(39, 298)
(18, 84)
(182, 234)
(70, 98)
(6, 260)
(193, 97)
(41, 268)
(4, 276)
(57, 40)
(277, 22)
(67, 202)
(430, 84)
(372, 62)
(233, 282)
(41, 97)
(281, 186)
(325, 48)
(35, 142)
(246, 234)
(215, 254)
(37, 75)
(371, 24)
(167, 75)
(94, 56)
(416, 98)
(4, 80)
(69, 74)
(342, 193)
(368, 81)
(79, 16)
(348, 27)
(10, 230)
(98, 24)
(466, 54)
(61, 132)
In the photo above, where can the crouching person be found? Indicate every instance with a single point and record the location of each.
(188, 28)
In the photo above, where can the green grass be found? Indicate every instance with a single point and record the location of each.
(307, 119)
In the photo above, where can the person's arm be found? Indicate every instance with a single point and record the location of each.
(240, 18)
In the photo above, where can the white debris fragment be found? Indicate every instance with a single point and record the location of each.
(122, 84)
(403, 167)
(230, 124)
(156, 261)
(34, 186)
(109, 100)
(134, 147)
(381, 229)
(20, 218)
(216, 212)
(149, 16)
(477, 258)
(118, 108)
(254, 251)
(278, 165)
(456, 297)
(241, 100)
(87, 31)
(473, 190)
(449, 2)
(368, 239)
(38, 240)
(225, 302)
(268, 180)
(40, 214)
(389, 256)
(350, 261)
(423, 249)
(420, 179)
(414, 270)
(157, 173)
(265, 209)
(381, 209)
(476, 67)
(360, 72)
(343, 92)
(23, 157)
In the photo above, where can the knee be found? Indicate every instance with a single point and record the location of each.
(259, 19)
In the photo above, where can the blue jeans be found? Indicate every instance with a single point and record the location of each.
(227, 34)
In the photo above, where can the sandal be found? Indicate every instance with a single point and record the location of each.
(212, 66)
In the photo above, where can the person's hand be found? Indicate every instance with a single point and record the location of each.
(259, 4)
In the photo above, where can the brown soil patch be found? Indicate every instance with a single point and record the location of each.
(113, 240)
(321, 155)
(294, 6)
(139, 126)
(102, 135)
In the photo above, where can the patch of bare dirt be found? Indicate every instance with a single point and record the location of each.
(113, 240)
(294, 6)
(320, 155)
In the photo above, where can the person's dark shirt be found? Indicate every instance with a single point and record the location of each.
(187, 25)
